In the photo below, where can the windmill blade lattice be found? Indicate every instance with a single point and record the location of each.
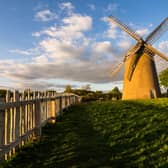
(155, 51)
(155, 35)
(125, 28)
(117, 69)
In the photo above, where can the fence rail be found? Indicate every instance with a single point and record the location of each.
(23, 115)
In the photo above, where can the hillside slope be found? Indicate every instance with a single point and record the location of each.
(103, 134)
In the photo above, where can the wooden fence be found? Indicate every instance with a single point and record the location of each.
(23, 115)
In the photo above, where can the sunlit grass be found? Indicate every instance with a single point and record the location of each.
(103, 134)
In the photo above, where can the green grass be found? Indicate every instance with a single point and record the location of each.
(102, 134)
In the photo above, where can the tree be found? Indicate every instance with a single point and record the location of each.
(115, 93)
(2, 93)
(163, 76)
(86, 87)
(68, 89)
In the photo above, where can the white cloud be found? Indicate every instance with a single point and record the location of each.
(161, 64)
(72, 28)
(150, 25)
(143, 32)
(28, 52)
(42, 59)
(81, 71)
(92, 6)
(111, 33)
(60, 51)
(163, 46)
(104, 51)
(40, 5)
(65, 52)
(112, 30)
(41, 85)
(77, 22)
(45, 15)
(21, 52)
(103, 47)
(36, 34)
(125, 44)
(66, 6)
(112, 7)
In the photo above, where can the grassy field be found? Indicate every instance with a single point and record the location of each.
(102, 134)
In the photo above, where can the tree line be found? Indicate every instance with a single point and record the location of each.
(88, 95)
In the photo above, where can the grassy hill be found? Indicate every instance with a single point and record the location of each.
(103, 134)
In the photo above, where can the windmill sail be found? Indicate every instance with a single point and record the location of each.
(155, 51)
(125, 28)
(155, 35)
(117, 69)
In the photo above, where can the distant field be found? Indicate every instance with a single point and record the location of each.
(103, 134)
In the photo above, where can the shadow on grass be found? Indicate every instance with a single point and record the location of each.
(102, 134)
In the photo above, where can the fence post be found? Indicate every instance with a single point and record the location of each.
(17, 113)
(23, 118)
(60, 106)
(34, 111)
(2, 131)
(53, 111)
(37, 117)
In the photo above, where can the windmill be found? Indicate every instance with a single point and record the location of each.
(140, 76)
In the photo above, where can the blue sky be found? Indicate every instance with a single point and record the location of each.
(51, 43)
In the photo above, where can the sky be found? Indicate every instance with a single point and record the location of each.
(48, 44)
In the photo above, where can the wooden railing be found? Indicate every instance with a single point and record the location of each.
(23, 115)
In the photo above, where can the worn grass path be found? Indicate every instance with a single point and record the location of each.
(102, 134)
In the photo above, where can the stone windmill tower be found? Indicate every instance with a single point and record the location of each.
(140, 77)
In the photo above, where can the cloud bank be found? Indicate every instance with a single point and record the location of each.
(66, 51)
